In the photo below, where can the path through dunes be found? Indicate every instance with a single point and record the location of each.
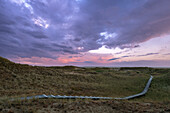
(18, 80)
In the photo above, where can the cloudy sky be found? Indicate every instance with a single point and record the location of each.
(86, 32)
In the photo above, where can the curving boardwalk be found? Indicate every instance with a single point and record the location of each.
(139, 94)
(88, 97)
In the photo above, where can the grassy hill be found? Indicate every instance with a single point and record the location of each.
(19, 80)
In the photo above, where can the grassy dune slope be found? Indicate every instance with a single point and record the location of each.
(18, 80)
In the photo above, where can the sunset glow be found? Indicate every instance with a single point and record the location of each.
(112, 33)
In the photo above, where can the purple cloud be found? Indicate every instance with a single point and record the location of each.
(49, 28)
(84, 62)
(113, 59)
(167, 54)
(88, 62)
(148, 54)
(142, 63)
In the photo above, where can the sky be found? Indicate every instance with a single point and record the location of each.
(110, 33)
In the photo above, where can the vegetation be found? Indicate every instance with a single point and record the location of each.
(20, 80)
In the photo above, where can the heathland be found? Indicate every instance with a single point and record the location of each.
(21, 80)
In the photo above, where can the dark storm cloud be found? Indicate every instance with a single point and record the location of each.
(35, 34)
(62, 46)
(53, 47)
(133, 23)
(63, 26)
(17, 26)
(6, 29)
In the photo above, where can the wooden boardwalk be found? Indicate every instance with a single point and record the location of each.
(88, 97)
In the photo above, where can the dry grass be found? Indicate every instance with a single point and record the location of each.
(85, 106)
(18, 80)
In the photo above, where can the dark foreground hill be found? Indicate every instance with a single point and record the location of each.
(20, 80)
